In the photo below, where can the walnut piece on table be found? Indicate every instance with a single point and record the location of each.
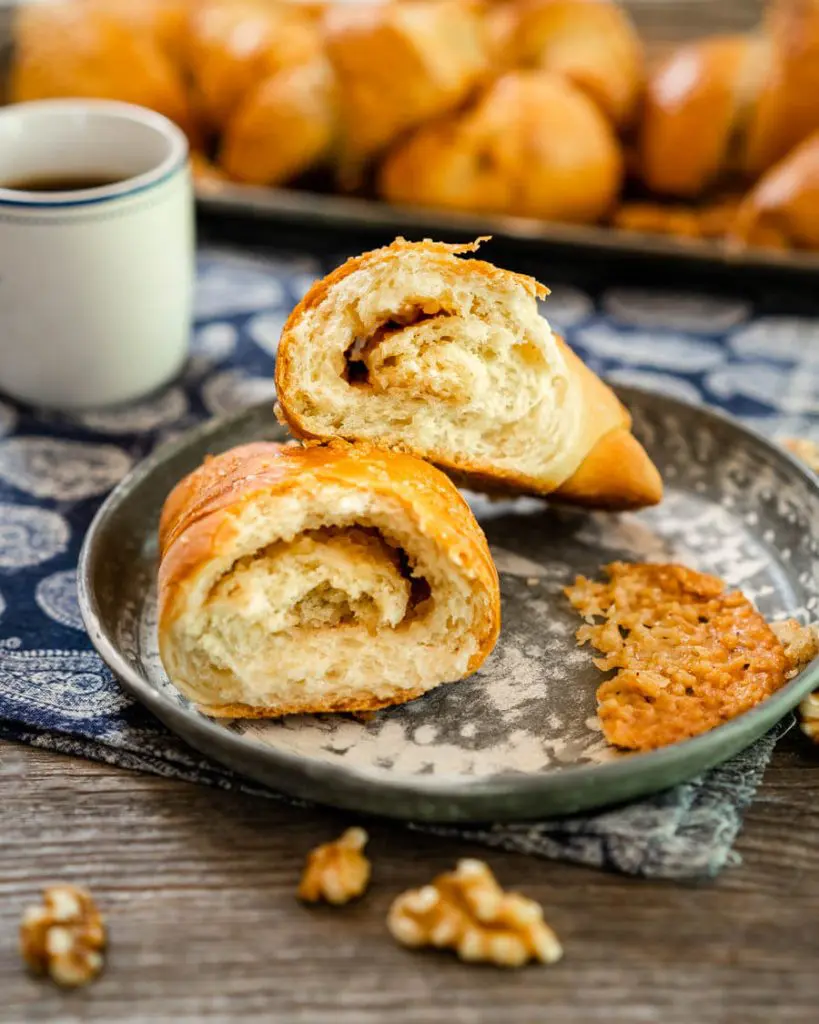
(337, 872)
(467, 911)
(809, 712)
(64, 937)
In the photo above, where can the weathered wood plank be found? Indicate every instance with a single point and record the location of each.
(198, 886)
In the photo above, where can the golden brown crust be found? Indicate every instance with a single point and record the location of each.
(693, 105)
(786, 111)
(285, 126)
(617, 474)
(234, 46)
(198, 522)
(630, 481)
(782, 210)
(399, 65)
(360, 705)
(90, 50)
(592, 43)
(532, 145)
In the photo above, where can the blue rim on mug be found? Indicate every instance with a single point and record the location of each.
(170, 165)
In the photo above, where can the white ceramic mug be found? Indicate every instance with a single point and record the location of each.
(95, 284)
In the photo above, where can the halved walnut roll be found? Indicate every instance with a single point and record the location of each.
(335, 578)
(417, 350)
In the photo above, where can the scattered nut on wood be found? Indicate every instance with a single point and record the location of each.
(337, 872)
(467, 911)
(809, 712)
(64, 937)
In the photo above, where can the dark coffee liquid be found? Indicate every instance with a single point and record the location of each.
(60, 183)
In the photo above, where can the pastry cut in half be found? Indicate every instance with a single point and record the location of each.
(415, 349)
(325, 578)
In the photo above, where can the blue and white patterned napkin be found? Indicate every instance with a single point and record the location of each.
(55, 470)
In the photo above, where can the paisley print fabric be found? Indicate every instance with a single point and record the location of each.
(757, 362)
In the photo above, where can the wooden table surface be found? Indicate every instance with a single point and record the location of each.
(197, 886)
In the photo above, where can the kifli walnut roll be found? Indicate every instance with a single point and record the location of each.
(399, 65)
(327, 578)
(531, 145)
(92, 50)
(732, 106)
(592, 43)
(284, 127)
(782, 210)
(234, 45)
(415, 349)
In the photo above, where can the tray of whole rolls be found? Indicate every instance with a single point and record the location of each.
(685, 129)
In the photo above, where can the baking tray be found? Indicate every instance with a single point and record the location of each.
(661, 23)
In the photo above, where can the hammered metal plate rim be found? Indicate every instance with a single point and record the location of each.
(504, 796)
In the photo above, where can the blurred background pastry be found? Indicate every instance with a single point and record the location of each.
(547, 109)
(284, 126)
(234, 45)
(532, 145)
(697, 103)
(592, 43)
(399, 65)
(782, 210)
(91, 49)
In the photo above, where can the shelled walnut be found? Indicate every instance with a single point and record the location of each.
(337, 872)
(467, 911)
(809, 711)
(64, 937)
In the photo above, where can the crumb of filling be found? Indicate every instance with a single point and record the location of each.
(687, 655)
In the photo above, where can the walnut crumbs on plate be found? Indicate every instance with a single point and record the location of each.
(688, 654)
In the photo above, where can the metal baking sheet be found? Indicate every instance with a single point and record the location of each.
(296, 208)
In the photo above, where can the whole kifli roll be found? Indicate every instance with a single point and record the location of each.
(698, 105)
(413, 348)
(782, 210)
(532, 145)
(93, 50)
(335, 578)
(398, 66)
(592, 43)
(285, 126)
(234, 45)
(732, 106)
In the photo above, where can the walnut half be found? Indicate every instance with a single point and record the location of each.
(337, 872)
(64, 937)
(809, 713)
(467, 911)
